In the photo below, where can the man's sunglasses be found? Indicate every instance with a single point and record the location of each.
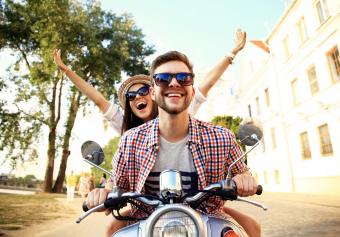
(143, 91)
(164, 79)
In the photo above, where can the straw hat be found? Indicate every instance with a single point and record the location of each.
(137, 79)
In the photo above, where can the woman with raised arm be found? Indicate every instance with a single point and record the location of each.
(134, 90)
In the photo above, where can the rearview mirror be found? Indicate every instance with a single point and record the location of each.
(249, 134)
(92, 152)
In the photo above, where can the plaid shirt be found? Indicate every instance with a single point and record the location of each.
(213, 149)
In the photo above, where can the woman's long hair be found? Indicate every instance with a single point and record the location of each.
(130, 120)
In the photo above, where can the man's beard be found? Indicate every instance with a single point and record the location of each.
(160, 100)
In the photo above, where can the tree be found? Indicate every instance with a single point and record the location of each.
(228, 122)
(99, 46)
(109, 150)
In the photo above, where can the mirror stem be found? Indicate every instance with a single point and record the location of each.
(105, 171)
(253, 136)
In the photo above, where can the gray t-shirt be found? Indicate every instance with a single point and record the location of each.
(173, 156)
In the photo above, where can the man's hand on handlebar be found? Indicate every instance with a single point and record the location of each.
(96, 197)
(246, 184)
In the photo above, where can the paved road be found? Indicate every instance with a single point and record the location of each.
(14, 191)
(93, 225)
(296, 214)
(288, 215)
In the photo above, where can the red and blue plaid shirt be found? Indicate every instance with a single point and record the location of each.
(213, 149)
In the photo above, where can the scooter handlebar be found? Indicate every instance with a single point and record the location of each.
(259, 189)
(85, 208)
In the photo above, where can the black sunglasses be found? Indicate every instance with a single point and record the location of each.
(183, 78)
(143, 91)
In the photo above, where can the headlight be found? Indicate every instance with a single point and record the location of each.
(175, 224)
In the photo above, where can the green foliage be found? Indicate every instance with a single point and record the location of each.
(30, 178)
(109, 151)
(228, 122)
(98, 45)
(16, 132)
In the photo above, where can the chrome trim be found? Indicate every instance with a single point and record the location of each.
(170, 184)
(196, 217)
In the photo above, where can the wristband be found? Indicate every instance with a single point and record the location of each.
(230, 57)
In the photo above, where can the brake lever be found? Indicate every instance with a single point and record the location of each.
(253, 203)
(90, 211)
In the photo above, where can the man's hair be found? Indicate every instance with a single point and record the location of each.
(167, 57)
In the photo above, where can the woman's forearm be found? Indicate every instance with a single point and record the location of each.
(88, 90)
(213, 75)
(81, 84)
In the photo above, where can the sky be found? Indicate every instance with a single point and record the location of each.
(203, 30)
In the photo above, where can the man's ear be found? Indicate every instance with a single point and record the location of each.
(152, 93)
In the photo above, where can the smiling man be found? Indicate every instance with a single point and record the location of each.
(201, 151)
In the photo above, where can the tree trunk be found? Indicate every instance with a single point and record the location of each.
(52, 135)
(50, 161)
(74, 106)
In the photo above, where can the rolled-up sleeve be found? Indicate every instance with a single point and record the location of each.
(115, 117)
(196, 102)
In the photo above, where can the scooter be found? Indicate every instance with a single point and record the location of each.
(175, 214)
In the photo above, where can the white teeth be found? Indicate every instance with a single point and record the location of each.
(173, 95)
(139, 103)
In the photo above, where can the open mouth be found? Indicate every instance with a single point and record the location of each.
(141, 105)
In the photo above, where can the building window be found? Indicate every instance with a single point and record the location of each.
(272, 133)
(265, 177)
(257, 100)
(322, 10)
(325, 140)
(277, 176)
(302, 29)
(285, 43)
(295, 93)
(263, 144)
(249, 111)
(305, 148)
(266, 93)
(313, 82)
(334, 63)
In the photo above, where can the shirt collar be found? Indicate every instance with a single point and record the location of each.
(154, 133)
(194, 136)
(194, 133)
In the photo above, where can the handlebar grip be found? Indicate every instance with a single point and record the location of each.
(259, 190)
(85, 208)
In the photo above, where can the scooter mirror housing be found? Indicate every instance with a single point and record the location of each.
(92, 152)
(249, 134)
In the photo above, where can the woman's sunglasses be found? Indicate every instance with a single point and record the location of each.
(143, 91)
(164, 79)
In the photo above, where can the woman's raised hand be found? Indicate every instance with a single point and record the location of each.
(240, 40)
(57, 59)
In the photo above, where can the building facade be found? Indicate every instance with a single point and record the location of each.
(290, 85)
